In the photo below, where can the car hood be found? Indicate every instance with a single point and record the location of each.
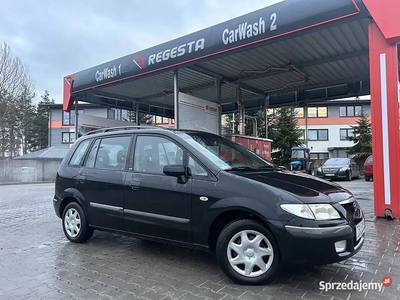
(334, 166)
(306, 188)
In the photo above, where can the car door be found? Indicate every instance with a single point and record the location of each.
(354, 168)
(156, 204)
(101, 181)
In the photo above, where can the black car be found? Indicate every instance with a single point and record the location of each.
(339, 168)
(204, 191)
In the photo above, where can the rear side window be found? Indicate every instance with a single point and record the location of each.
(369, 160)
(79, 154)
(109, 153)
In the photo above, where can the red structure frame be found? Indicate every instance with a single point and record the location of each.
(384, 34)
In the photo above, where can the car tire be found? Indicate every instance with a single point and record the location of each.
(74, 224)
(349, 176)
(367, 178)
(259, 252)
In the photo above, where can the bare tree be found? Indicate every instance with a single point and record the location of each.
(16, 89)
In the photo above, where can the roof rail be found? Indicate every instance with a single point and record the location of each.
(108, 129)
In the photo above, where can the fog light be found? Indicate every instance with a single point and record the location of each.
(340, 246)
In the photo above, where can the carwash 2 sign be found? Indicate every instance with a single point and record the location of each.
(259, 26)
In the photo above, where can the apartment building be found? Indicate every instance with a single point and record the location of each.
(62, 124)
(326, 125)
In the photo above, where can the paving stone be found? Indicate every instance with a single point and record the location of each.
(50, 265)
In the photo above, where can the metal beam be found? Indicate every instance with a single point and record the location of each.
(176, 99)
(302, 65)
(210, 73)
(219, 96)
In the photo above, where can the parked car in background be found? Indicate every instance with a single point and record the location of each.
(367, 169)
(201, 190)
(339, 168)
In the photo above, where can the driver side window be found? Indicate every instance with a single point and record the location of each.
(153, 153)
(196, 168)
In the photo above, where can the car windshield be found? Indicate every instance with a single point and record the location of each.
(225, 154)
(336, 162)
(298, 153)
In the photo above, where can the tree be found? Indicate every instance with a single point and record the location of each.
(362, 138)
(285, 133)
(143, 118)
(40, 138)
(15, 102)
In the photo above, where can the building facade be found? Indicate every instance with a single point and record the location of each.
(326, 125)
(62, 124)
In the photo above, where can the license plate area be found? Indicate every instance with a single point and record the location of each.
(360, 229)
(329, 175)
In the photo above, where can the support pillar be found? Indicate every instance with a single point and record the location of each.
(76, 120)
(137, 114)
(385, 122)
(176, 99)
(219, 97)
(266, 105)
(241, 110)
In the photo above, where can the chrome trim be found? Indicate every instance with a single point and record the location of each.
(360, 242)
(318, 232)
(156, 216)
(54, 199)
(347, 201)
(107, 207)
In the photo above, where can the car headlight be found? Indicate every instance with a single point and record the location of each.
(312, 211)
(300, 210)
(319, 170)
(343, 169)
(324, 211)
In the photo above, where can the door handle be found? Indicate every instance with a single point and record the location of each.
(135, 185)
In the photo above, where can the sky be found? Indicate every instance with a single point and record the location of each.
(55, 38)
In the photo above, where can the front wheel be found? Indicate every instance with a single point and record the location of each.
(349, 176)
(247, 253)
(74, 224)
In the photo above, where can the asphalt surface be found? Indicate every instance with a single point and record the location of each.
(37, 261)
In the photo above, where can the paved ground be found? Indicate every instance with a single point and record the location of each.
(37, 262)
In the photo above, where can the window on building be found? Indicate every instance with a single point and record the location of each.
(345, 132)
(317, 112)
(317, 134)
(319, 155)
(69, 117)
(165, 120)
(299, 112)
(350, 111)
(68, 137)
(302, 136)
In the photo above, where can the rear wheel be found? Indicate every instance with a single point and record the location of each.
(74, 224)
(247, 253)
(367, 178)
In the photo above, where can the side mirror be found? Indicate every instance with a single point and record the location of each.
(177, 171)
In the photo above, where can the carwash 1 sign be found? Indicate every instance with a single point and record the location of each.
(259, 26)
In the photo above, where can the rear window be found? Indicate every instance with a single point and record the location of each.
(369, 160)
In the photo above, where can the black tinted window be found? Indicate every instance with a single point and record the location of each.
(109, 153)
(152, 153)
(77, 157)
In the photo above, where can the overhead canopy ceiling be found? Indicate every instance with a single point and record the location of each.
(316, 52)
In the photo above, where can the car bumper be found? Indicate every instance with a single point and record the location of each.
(316, 245)
(56, 205)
